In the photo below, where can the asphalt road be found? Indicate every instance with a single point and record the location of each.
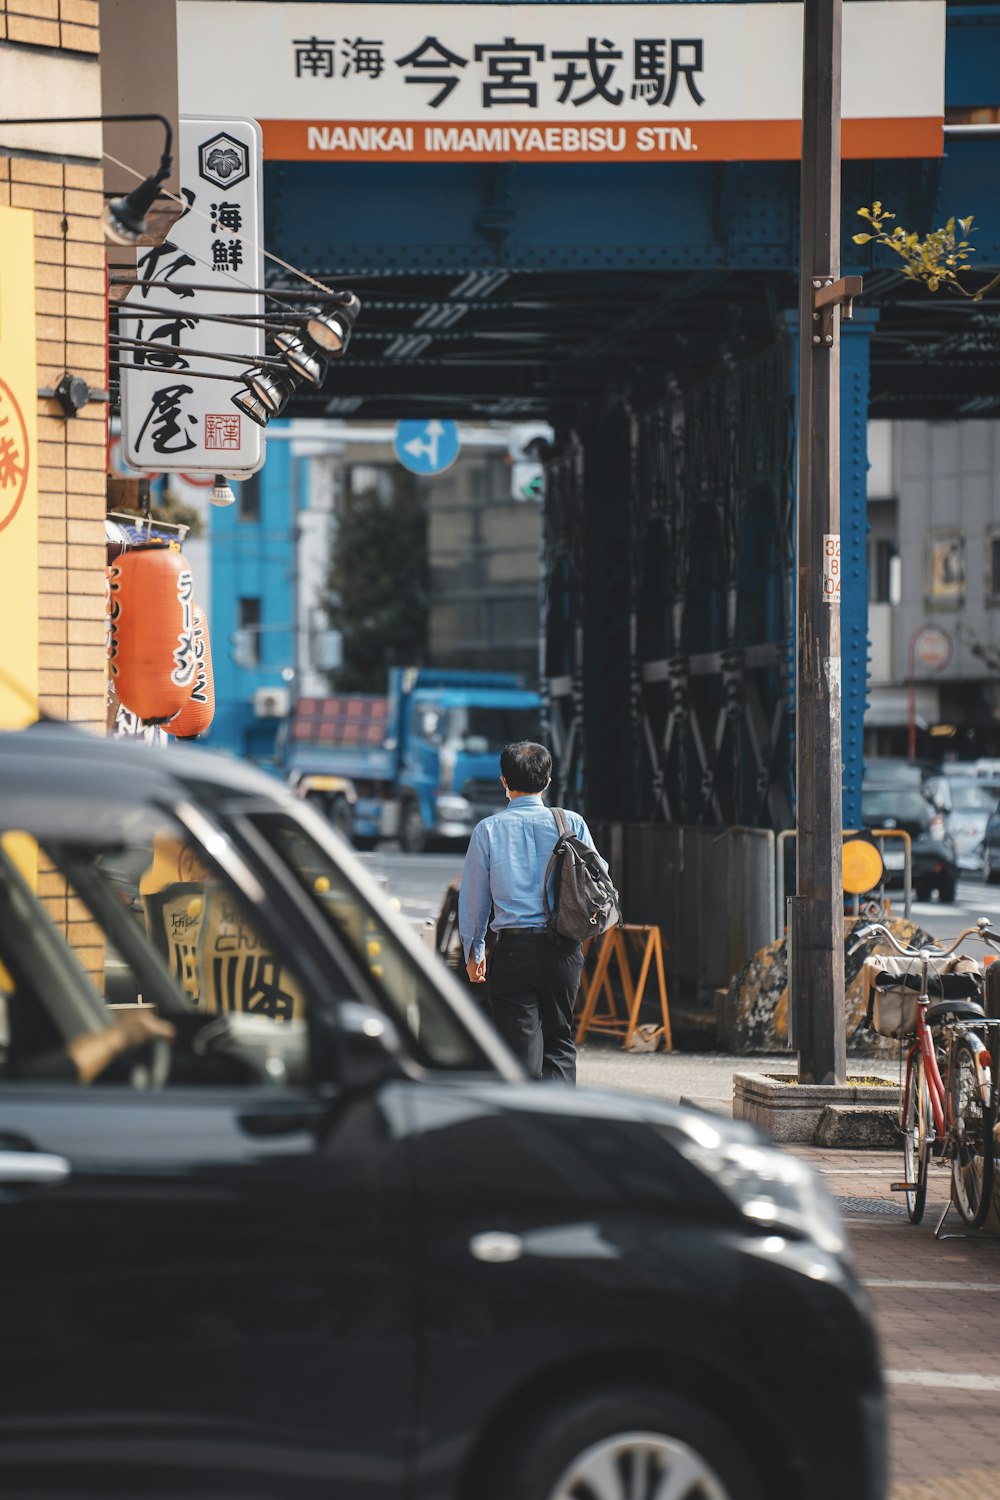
(419, 881)
(974, 899)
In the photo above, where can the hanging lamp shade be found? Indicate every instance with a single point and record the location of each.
(199, 711)
(151, 631)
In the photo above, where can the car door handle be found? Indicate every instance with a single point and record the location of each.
(32, 1169)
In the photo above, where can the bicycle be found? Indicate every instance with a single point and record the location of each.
(951, 1117)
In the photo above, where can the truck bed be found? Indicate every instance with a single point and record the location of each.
(342, 735)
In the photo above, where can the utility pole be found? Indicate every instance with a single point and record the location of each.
(817, 913)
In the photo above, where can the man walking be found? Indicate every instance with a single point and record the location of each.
(534, 975)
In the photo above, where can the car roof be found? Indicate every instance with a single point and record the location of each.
(58, 760)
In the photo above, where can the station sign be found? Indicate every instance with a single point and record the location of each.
(558, 82)
(177, 410)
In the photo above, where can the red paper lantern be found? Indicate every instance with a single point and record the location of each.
(151, 627)
(199, 711)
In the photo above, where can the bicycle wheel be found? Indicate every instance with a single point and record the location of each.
(916, 1141)
(971, 1123)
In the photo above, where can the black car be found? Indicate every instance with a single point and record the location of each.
(326, 1241)
(901, 808)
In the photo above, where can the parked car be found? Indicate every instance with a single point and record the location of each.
(991, 848)
(966, 802)
(892, 770)
(328, 1242)
(905, 808)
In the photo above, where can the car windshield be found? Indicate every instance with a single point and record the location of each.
(881, 806)
(482, 729)
(409, 997)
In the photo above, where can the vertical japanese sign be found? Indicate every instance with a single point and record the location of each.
(18, 471)
(174, 418)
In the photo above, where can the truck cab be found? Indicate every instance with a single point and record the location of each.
(452, 727)
(422, 763)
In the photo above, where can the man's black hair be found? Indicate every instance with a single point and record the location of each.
(525, 766)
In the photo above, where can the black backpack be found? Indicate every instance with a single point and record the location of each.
(585, 902)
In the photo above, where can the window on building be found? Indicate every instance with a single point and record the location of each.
(886, 573)
(249, 632)
(248, 498)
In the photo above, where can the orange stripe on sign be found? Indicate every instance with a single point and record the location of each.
(633, 141)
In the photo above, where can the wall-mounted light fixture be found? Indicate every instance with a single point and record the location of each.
(73, 394)
(222, 491)
(124, 219)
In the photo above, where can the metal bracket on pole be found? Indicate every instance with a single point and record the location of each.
(829, 294)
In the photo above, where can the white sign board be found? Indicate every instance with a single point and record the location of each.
(174, 418)
(566, 82)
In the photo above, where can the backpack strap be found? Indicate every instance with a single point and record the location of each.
(564, 829)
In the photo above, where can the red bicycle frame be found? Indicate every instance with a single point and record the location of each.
(932, 1073)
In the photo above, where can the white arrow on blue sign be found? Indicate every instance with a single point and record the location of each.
(427, 447)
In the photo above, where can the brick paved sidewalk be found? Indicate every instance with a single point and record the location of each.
(939, 1337)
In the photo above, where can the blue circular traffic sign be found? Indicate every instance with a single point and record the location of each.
(427, 447)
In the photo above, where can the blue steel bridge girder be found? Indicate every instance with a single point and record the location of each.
(350, 219)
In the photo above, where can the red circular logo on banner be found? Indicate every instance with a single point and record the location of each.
(14, 456)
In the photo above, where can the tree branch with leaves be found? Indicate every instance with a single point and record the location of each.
(938, 260)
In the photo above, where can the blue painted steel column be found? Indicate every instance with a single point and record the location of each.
(855, 357)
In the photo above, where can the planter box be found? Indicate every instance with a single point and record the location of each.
(790, 1111)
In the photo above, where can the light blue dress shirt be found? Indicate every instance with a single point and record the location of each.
(506, 862)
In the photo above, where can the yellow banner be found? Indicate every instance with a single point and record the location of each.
(18, 472)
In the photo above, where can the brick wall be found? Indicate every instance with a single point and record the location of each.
(66, 197)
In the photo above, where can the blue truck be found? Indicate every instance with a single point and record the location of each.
(419, 764)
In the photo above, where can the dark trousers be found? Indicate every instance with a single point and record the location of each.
(533, 985)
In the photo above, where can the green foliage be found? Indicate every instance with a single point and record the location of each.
(377, 584)
(178, 514)
(938, 261)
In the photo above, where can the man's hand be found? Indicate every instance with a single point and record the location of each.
(476, 970)
(94, 1050)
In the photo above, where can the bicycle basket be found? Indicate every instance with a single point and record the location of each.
(893, 991)
(893, 1007)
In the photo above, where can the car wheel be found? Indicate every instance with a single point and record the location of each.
(922, 891)
(412, 835)
(990, 875)
(634, 1440)
(946, 889)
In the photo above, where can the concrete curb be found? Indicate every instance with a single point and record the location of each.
(850, 1126)
(790, 1111)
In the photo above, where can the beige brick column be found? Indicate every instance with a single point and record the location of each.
(60, 37)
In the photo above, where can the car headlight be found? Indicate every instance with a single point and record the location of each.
(771, 1189)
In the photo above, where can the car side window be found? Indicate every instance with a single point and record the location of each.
(143, 937)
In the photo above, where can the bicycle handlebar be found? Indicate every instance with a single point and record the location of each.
(982, 930)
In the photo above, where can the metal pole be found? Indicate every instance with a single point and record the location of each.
(818, 977)
(911, 699)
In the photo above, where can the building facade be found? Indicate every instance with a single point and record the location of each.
(934, 591)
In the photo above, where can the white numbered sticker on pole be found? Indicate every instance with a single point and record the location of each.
(831, 568)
